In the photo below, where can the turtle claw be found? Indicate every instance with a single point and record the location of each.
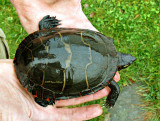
(48, 22)
(112, 97)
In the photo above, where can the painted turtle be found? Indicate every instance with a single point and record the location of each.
(61, 63)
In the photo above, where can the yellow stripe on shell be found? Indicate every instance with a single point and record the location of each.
(90, 58)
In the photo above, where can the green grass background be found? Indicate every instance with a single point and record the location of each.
(135, 27)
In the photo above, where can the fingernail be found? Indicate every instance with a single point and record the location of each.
(97, 111)
(117, 77)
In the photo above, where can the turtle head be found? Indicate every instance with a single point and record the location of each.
(124, 60)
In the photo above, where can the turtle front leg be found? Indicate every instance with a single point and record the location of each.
(112, 97)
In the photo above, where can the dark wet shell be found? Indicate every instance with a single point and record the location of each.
(65, 63)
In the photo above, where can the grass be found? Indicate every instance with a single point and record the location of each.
(135, 27)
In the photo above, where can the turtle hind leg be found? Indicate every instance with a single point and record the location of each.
(112, 97)
(44, 102)
(48, 22)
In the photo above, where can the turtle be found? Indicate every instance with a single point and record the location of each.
(56, 63)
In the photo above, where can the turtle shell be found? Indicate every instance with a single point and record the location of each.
(64, 63)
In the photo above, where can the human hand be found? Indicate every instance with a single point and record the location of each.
(68, 11)
(72, 16)
(17, 104)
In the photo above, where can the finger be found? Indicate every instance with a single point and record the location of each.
(83, 99)
(116, 77)
(51, 113)
(82, 113)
